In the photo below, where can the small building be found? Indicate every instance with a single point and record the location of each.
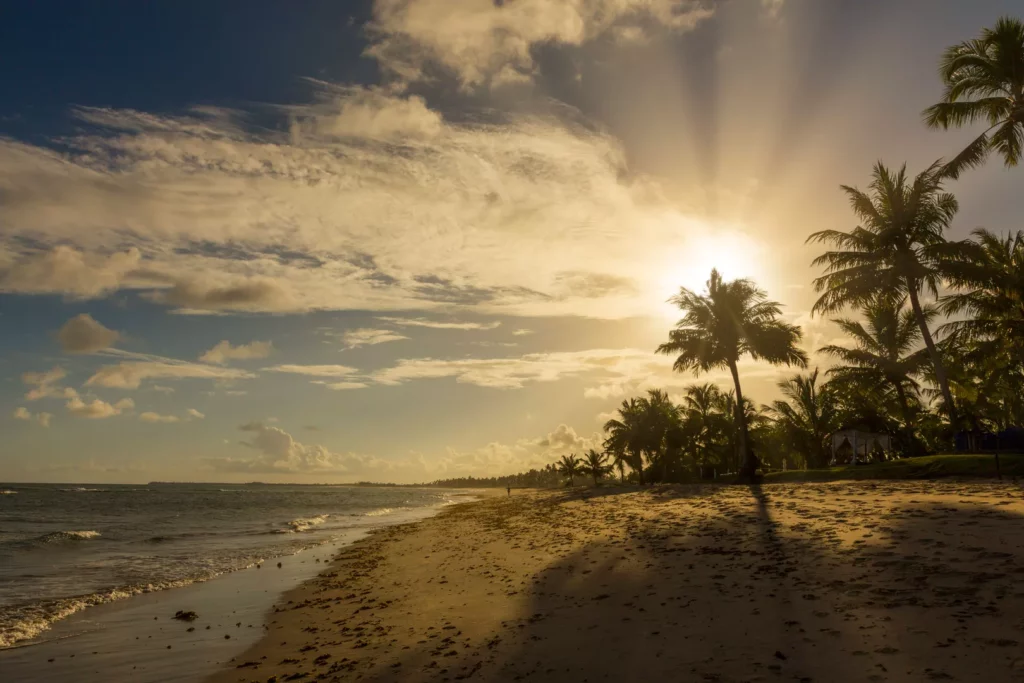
(863, 445)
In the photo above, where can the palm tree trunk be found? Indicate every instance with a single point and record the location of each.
(749, 465)
(933, 353)
(905, 409)
(638, 458)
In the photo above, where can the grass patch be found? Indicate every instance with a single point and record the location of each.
(926, 467)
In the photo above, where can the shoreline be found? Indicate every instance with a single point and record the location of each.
(845, 581)
(92, 645)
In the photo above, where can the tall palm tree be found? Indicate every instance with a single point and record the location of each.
(596, 465)
(886, 354)
(570, 466)
(627, 437)
(984, 79)
(728, 321)
(894, 253)
(808, 415)
(989, 271)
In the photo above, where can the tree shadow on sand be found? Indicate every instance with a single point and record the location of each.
(858, 582)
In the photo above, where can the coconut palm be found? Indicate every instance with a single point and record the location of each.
(808, 415)
(894, 253)
(596, 465)
(661, 422)
(570, 466)
(984, 80)
(626, 435)
(886, 354)
(728, 321)
(989, 271)
(729, 435)
(700, 412)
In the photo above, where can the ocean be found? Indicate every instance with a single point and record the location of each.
(65, 548)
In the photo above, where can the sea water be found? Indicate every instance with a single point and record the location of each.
(65, 548)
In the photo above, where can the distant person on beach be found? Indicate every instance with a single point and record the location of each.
(509, 491)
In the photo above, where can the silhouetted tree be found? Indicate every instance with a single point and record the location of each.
(984, 80)
(894, 253)
(807, 415)
(596, 465)
(886, 355)
(570, 466)
(728, 321)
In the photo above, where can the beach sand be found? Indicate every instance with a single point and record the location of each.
(865, 581)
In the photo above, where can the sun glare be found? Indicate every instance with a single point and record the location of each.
(734, 253)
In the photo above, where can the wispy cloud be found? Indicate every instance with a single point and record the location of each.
(369, 337)
(156, 417)
(314, 370)
(223, 351)
(483, 216)
(439, 324)
(131, 374)
(44, 383)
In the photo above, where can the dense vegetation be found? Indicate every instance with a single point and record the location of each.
(935, 328)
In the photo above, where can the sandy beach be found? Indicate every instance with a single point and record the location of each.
(866, 581)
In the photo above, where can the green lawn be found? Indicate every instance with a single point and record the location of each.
(928, 467)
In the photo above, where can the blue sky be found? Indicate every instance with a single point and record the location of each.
(336, 241)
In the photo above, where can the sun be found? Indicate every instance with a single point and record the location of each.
(735, 253)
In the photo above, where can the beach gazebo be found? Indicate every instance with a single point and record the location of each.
(861, 442)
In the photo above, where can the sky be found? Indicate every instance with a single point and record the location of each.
(400, 240)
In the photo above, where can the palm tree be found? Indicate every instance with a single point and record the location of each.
(570, 466)
(730, 320)
(753, 418)
(626, 435)
(885, 355)
(619, 463)
(808, 416)
(660, 420)
(991, 270)
(700, 410)
(596, 465)
(984, 79)
(895, 253)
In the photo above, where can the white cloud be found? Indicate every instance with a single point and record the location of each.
(193, 413)
(44, 383)
(156, 417)
(479, 40)
(516, 372)
(314, 370)
(369, 337)
(64, 269)
(224, 351)
(496, 459)
(278, 452)
(42, 419)
(341, 386)
(439, 324)
(84, 334)
(218, 218)
(130, 374)
(522, 331)
(98, 409)
(205, 292)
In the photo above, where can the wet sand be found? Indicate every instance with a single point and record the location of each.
(864, 581)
